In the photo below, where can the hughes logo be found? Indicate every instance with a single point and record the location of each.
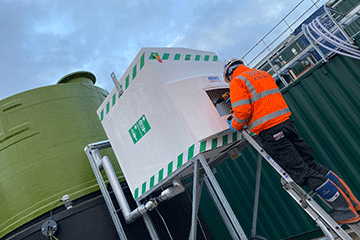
(214, 79)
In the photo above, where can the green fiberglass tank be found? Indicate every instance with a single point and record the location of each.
(43, 133)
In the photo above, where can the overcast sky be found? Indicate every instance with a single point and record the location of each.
(43, 40)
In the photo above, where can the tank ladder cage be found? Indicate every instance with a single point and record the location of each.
(194, 165)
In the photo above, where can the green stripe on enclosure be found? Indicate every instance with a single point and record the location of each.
(214, 143)
(170, 168)
(180, 160)
(152, 181)
(134, 72)
(136, 193)
(191, 152)
(107, 107)
(101, 115)
(114, 99)
(166, 56)
(161, 175)
(202, 146)
(142, 61)
(225, 139)
(234, 136)
(143, 188)
(127, 80)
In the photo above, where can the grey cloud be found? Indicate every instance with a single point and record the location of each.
(41, 41)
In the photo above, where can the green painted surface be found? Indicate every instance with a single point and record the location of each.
(43, 133)
(325, 105)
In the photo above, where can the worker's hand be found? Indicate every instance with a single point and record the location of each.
(230, 125)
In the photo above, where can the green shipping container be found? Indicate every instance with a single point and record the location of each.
(325, 105)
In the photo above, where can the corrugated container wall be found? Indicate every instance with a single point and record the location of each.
(326, 108)
(43, 133)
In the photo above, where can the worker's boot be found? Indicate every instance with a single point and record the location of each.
(342, 185)
(342, 210)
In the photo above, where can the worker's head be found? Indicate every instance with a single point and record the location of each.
(229, 68)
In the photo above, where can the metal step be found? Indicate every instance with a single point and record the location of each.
(329, 227)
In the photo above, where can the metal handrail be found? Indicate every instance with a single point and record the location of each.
(281, 21)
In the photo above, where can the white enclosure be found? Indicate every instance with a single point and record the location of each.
(166, 113)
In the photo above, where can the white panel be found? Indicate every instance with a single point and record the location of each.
(170, 94)
(195, 106)
(166, 139)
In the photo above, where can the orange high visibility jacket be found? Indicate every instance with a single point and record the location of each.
(256, 100)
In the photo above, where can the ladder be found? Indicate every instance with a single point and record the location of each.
(328, 226)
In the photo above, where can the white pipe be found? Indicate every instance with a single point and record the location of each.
(329, 33)
(324, 46)
(341, 43)
(342, 46)
(337, 44)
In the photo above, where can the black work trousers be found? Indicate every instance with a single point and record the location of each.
(283, 143)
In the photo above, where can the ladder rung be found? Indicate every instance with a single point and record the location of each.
(310, 206)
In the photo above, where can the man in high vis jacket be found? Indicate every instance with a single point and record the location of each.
(258, 105)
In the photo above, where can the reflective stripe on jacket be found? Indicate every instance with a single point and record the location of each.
(256, 100)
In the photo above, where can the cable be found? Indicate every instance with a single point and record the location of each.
(330, 40)
(329, 33)
(167, 229)
(347, 47)
(54, 207)
(343, 47)
(52, 236)
(353, 55)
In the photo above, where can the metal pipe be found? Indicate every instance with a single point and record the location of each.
(327, 10)
(114, 182)
(120, 196)
(257, 193)
(222, 197)
(94, 156)
(129, 216)
(221, 210)
(150, 226)
(193, 230)
(176, 189)
(333, 3)
(116, 83)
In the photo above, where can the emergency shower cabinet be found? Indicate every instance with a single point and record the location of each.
(165, 114)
